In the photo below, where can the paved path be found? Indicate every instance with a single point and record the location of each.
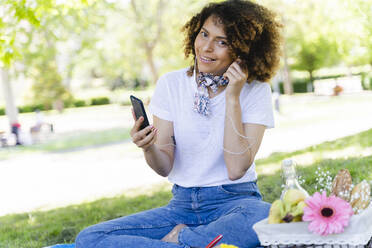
(43, 181)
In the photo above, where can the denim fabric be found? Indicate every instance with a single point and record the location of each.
(230, 210)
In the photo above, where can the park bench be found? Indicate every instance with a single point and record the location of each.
(3, 139)
(40, 131)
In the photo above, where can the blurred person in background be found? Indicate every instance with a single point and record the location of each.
(37, 127)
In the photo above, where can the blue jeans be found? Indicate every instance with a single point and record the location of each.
(230, 210)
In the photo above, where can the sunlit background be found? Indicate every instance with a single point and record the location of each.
(78, 61)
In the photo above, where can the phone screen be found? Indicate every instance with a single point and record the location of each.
(139, 111)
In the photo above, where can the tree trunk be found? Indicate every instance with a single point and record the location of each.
(288, 88)
(10, 107)
(150, 44)
(67, 81)
(310, 86)
(151, 63)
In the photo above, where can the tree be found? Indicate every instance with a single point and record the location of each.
(146, 22)
(17, 17)
(142, 39)
(11, 17)
(362, 10)
(311, 36)
(314, 54)
(55, 48)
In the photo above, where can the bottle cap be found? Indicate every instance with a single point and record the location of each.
(288, 162)
(289, 168)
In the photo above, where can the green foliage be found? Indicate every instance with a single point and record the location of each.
(31, 108)
(18, 14)
(367, 81)
(79, 103)
(363, 15)
(50, 81)
(48, 88)
(358, 166)
(68, 103)
(299, 86)
(151, 35)
(91, 37)
(361, 140)
(26, 109)
(359, 169)
(100, 101)
(13, 12)
(315, 54)
(323, 33)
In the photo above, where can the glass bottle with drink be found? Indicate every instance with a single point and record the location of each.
(290, 177)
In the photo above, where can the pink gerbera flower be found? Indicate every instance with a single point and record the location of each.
(327, 215)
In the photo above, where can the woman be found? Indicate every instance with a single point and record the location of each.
(208, 124)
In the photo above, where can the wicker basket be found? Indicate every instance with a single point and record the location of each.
(356, 235)
(368, 245)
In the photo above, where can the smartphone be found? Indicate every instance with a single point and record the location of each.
(139, 110)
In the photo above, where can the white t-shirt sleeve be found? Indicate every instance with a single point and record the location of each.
(257, 106)
(160, 105)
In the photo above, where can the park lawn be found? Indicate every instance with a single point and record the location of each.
(70, 142)
(38, 229)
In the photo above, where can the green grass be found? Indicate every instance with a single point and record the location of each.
(72, 141)
(359, 143)
(40, 229)
(352, 152)
(360, 168)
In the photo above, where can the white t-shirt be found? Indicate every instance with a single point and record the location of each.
(198, 157)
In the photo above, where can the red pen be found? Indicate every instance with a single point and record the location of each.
(214, 241)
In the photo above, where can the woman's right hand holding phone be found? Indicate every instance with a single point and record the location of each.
(144, 138)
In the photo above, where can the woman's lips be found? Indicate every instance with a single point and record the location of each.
(206, 59)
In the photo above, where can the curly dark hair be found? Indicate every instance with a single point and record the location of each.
(253, 33)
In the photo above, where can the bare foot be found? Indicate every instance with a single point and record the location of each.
(172, 236)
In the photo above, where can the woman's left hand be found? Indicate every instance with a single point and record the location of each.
(237, 77)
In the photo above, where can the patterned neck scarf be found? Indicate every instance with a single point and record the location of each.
(201, 99)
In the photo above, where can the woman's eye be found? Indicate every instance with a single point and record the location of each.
(222, 43)
(204, 34)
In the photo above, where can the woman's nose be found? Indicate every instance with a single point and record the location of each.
(208, 46)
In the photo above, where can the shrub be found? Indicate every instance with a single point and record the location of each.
(31, 108)
(69, 102)
(79, 103)
(366, 81)
(2, 111)
(25, 109)
(299, 86)
(100, 101)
